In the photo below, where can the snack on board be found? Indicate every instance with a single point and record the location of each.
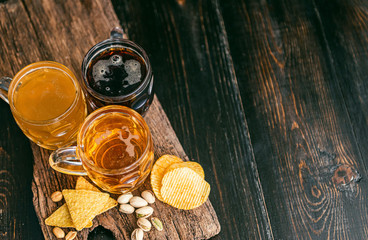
(158, 171)
(62, 217)
(83, 184)
(184, 189)
(179, 184)
(84, 205)
(196, 167)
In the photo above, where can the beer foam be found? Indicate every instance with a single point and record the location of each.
(127, 140)
(100, 69)
(133, 69)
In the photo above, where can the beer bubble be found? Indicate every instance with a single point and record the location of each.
(116, 60)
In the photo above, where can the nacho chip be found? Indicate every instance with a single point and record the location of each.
(83, 184)
(184, 189)
(158, 171)
(196, 167)
(61, 218)
(84, 205)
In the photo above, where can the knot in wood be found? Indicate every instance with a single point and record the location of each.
(344, 175)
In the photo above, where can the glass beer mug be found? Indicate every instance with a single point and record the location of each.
(117, 71)
(114, 148)
(47, 103)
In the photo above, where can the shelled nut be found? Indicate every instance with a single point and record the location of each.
(58, 232)
(56, 196)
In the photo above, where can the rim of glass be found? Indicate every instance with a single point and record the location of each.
(115, 43)
(32, 68)
(100, 113)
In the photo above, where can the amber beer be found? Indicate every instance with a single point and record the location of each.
(47, 103)
(115, 147)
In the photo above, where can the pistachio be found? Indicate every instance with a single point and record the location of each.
(71, 235)
(157, 223)
(144, 212)
(148, 196)
(124, 198)
(126, 208)
(56, 196)
(137, 234)
(58, 232)
(138, 202)
(144, 224)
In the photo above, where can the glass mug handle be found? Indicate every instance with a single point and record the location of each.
(65, 160)
(118, 32)
(4, 87)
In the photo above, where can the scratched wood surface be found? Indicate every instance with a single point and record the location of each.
(269, 96)
(303, 94)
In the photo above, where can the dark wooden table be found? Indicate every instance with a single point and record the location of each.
(271, 97)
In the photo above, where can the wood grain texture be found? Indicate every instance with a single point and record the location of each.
(17, 215)
(269, 96)
(299, 124)
(195, 77)
(64, 32)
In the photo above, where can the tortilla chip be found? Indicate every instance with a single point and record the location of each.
(84, 205)
(83, 184)
(61, 218)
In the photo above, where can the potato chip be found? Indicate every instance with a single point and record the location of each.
(83, 184)
(158, 171)
(196, 167)
(84, 205)
(184, 189)
(61, 218)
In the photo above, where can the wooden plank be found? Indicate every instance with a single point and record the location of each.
(64, 32)
(298, 119)
(17, 216)
(197, 86)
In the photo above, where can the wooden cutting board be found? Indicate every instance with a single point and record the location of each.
(35, 30)
(200, 223)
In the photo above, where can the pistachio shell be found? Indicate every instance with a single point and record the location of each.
(148, 196)
(138, 202)
(157, 223)
(126, 208)
(144, 224)
(144, 212)
(137, 234)
(125, 198)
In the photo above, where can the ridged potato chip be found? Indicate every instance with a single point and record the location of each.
(184, 189)
(158, 171)
(196, 167)
(84, 205)
(83, 184)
